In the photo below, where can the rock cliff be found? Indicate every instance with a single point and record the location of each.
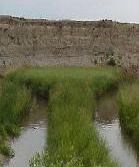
(69, 43)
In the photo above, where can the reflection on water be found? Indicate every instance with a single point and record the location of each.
(107, 123)
(33, 136)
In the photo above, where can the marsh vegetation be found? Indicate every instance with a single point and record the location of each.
(72, 93)
(72, 138)
(128, 100)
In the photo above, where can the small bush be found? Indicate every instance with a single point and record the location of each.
(7, 151)
(111, 62)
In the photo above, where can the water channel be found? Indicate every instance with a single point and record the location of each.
(33, 136)
(108, 126)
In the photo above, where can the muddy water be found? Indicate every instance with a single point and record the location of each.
(108, 126)
(33, 136)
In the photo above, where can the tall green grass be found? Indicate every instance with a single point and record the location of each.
(71, 92)
(41, 80)
(14, 101)
(128, 101)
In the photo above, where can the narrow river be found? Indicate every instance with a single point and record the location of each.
(108, 126)
(33, 136)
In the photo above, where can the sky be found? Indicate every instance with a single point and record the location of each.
(116, 10)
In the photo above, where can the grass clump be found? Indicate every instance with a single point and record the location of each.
(128, 101)
(7, 150)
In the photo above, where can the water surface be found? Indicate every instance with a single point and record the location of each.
(32, 138)
(108, 125)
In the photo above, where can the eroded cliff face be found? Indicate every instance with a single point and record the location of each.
(72, 43)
